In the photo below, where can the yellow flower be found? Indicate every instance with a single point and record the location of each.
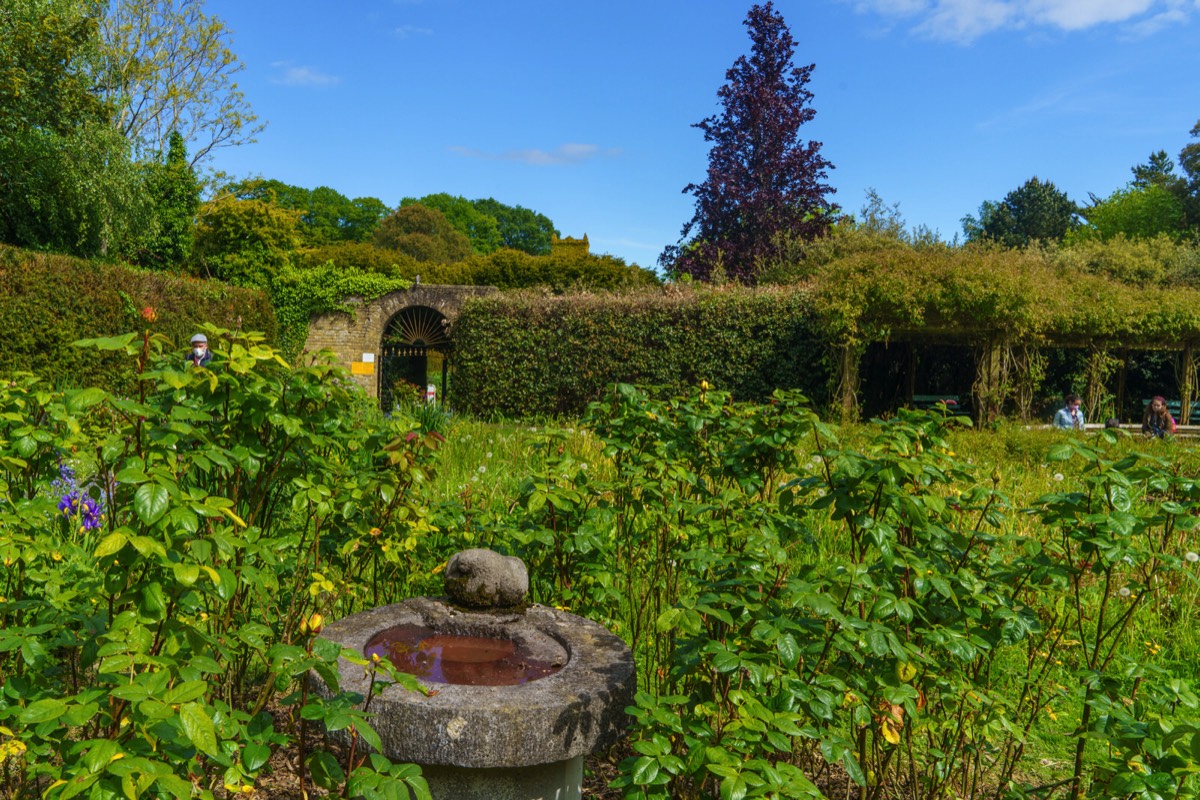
(57, 556)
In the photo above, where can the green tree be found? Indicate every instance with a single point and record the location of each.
(1137, 212)
(763, 178)
(1159, 170)
(66, 179)
(168, 66)
(1035, 211)
(1189, 161)
(520, 228)
(245, 242)
(327, 216)
(424, 234)
(174, 191)
(481, 229)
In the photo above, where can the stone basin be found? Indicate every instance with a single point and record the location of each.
(498, 741)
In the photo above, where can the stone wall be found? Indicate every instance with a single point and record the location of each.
(355, 338)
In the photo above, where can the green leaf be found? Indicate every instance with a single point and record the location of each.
(151, 502)
(42, 711)
(100, 753)
(85, 398)
(110, 343)
(198, 727)
(187, 574)
(325, 771)
(733, 788)
(188, 690)
(110, 544)
(1059, 452)
(255, 756)
(788, 649)
(645, 770)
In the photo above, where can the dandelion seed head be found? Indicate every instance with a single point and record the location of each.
(1125, 591)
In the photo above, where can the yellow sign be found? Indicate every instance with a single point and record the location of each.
(362, 368)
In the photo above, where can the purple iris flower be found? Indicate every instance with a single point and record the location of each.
(92, 511)
(73, 501)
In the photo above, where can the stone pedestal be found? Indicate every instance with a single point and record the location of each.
(525, 742)
(562, 780)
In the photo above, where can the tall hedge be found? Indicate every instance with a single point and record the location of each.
(525, 353)
(49, 301)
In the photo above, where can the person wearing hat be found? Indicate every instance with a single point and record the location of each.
(200, 354)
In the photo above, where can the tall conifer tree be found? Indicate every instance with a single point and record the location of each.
(763, 178)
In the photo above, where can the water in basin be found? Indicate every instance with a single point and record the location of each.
(440, 657)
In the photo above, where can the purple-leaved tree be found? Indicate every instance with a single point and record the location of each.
(763, 179)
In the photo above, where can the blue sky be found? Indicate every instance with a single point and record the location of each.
(583, 111)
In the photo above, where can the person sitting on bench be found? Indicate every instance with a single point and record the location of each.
(1070, 416)
(1158, 421)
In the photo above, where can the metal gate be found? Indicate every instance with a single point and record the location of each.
(408, 340)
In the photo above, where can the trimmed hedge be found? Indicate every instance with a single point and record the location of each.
(526, 354)
(49, 301)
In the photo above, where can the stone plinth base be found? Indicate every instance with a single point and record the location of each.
(561, 780)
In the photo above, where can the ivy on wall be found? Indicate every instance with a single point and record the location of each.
(299, 294)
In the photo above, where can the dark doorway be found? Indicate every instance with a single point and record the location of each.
(413, 339)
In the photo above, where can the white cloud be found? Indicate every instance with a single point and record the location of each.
(964, 21)
(1073, 15)
(290, 75)
(563, 154)
(405, 31)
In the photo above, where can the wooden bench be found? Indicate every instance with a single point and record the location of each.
(1132, 428)
(1175, 406)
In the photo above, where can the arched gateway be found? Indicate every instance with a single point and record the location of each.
(395, 336)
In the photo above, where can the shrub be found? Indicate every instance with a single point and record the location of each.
(168, 563)
(47, 302)
(528, 353)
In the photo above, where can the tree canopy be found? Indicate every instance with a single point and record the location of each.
(245, 242)
(92, 94)
(481, 229)
(66, 180)
(1136, 212)
(168, 66)
(424, 234)
(520, 228)
(763, 178)
(1035, 211)
(326, 215)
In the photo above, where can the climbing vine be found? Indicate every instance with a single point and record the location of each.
(301, 294)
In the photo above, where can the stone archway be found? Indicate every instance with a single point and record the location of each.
(410, 339)
(357, 338)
